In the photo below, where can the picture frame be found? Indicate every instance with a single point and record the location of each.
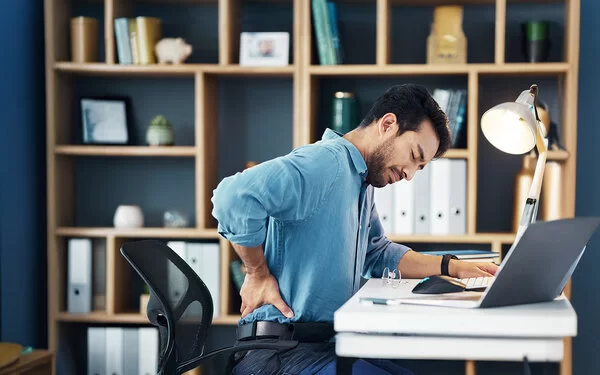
(105, 120)
(264, 49)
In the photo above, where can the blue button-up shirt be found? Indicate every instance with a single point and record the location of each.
(314, 214)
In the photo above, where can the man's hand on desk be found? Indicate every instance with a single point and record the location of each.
(462, 270)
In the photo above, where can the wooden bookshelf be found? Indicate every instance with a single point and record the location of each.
(307, 80)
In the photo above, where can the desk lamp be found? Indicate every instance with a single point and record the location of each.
(515, 128)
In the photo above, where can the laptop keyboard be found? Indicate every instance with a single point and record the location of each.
(477, 282)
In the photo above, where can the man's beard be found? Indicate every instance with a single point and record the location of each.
(376, 164)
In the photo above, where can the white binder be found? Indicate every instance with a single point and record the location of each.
(383, 198)
(440, 196)
(448, 196)
(176, 279)
(404, 207)
(458, 196)
(79, 293)
(96, 351)
(130, 351)
(147, 351)
(422, 192)
(114, 351)
(212, 271)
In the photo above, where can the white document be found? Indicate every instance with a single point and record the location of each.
(422, 186)
(384, 204)
(96, 350)
(114, 351)
(79, 293)
(147, 351)
(404, 207)
(458, 196)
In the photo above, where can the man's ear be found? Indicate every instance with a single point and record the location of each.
(386, 123)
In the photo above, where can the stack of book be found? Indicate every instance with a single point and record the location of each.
(325, 24)
(135, 39)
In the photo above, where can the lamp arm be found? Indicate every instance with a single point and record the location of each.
(531, 204)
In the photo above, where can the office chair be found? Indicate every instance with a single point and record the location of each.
(180, 305)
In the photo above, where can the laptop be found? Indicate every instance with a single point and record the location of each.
(535, 269)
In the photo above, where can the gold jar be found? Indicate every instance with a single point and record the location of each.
(84, 39)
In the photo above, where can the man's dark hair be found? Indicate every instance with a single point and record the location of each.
(412, 104)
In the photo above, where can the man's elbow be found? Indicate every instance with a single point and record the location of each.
(222, 199)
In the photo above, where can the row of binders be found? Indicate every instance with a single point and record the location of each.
(86, 281)
(432, 203)
(204, 259)
(122, 351)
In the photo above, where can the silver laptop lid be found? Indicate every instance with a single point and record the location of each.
(537, 268)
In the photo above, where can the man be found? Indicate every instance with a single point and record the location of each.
(307, 229)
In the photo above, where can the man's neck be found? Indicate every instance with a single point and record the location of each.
(359, 137)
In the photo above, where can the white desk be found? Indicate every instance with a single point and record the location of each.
(535, 331)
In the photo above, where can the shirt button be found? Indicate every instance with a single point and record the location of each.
(360, 227)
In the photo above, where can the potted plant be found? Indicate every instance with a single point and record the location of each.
(160, 132)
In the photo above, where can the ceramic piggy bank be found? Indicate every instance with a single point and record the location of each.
(174, 50)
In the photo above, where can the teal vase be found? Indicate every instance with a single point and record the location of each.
(345, 112)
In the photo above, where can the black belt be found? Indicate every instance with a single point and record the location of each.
(302, 332)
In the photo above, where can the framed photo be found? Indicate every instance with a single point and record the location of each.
(105, 120)
(264, 49)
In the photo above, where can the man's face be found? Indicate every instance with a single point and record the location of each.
(399, 157)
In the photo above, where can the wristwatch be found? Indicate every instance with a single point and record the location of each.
(445, 261)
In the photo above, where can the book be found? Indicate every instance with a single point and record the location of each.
(148, 34)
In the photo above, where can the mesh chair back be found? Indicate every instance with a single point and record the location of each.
(180, 303)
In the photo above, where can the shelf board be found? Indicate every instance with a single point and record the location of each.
(480, 238)
(435, 69)
(175, 151)
(131, 318)
(148, 232)
(103, 69)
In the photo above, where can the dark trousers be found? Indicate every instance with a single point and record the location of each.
(309, 359)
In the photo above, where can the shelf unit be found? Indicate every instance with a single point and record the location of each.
(309, 81)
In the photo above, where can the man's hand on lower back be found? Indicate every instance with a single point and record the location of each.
(261, 288)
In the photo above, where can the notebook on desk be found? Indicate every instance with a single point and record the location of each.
(535, 269)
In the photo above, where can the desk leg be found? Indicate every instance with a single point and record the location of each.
(470, 368)
(566, 365)
(343, 365)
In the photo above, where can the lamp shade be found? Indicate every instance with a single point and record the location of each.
(511, 126)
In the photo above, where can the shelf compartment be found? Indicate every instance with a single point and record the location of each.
(84, 150)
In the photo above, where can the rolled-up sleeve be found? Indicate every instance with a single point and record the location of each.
(381, 252)
(288, 188)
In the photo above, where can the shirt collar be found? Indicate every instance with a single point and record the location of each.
(357, 158)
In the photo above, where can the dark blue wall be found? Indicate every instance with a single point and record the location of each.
(585, 280)
(22, 190)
